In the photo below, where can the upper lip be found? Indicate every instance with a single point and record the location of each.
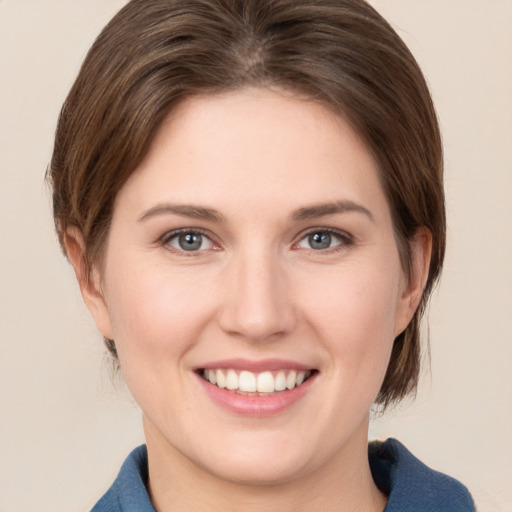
(255, 366)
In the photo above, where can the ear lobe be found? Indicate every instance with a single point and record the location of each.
(421, 251)
(89, 282)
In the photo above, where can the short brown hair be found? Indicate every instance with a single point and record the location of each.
(154, 53)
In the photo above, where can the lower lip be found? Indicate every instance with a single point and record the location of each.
(256, 406)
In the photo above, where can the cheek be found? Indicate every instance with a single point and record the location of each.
(356, 300)
(355, 317)
(157, 321)
(154, 312)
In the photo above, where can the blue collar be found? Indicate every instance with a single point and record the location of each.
(408, 483)
(412, 486)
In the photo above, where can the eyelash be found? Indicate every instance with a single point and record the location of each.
(345, 240)
(170, 236)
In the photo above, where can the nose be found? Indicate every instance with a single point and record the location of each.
(257, 305)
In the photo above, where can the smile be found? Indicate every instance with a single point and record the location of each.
(255, 384)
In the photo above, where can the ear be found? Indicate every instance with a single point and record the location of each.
(421, 251)
(89, 282)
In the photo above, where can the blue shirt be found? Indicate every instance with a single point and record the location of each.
(409, 484)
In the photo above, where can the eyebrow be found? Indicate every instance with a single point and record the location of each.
(331, 208)
(308, 212)
(184, 210)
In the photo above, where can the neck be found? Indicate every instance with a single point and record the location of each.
(343, 484)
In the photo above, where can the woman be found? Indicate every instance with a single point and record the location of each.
(250, 194)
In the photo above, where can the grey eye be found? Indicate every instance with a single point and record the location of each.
(190, 241)
(322, 240)
(319, 241)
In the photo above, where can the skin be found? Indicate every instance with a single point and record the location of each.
(256, 289)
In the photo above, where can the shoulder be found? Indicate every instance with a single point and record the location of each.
(128, 492)
(411, 485)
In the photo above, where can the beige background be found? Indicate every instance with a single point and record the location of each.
(64, 429)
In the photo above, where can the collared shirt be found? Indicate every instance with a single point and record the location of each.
(409, 484)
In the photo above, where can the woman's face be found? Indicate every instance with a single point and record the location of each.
(253, 287)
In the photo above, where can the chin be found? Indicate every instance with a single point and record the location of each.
(267, 472)
(259, 458)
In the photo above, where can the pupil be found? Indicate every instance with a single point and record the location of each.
(320, 240)
(190, 241)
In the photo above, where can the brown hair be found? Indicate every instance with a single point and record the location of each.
(342, 53)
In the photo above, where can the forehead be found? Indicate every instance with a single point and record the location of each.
(257, 143)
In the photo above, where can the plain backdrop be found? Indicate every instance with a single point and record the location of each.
(65, 429)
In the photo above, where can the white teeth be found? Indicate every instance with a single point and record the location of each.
(265, 382)
(212, 376)
(249, 382)
(232, 380)
(221, 379)
(300, 378)
(290, 380)
(280, 382)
